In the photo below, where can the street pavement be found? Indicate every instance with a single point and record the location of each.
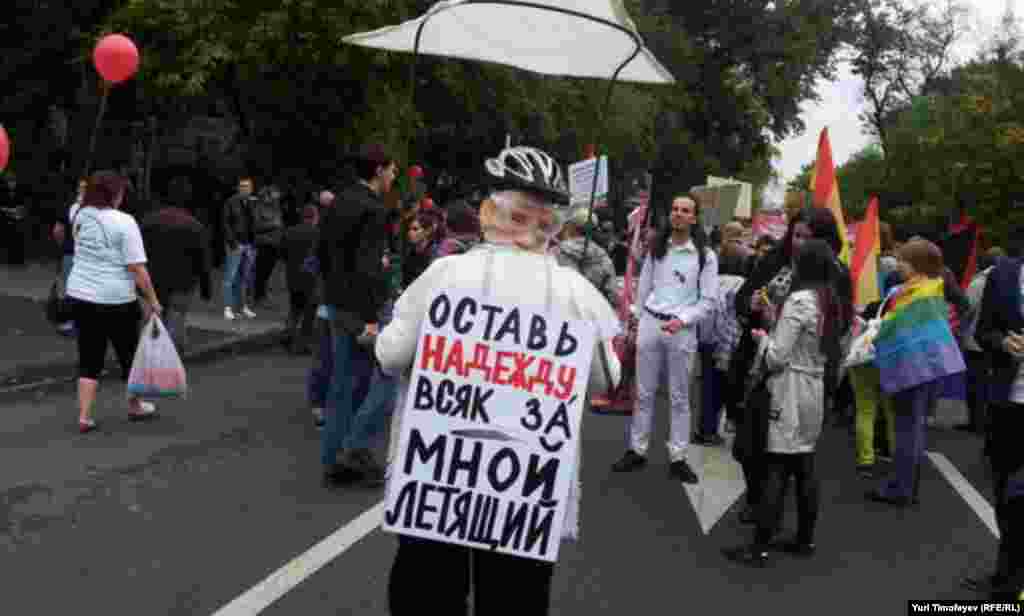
(34, 355)
(184, 514)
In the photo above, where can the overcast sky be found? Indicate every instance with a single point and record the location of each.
(842, 100)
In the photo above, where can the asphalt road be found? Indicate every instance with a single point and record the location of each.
(183, 514)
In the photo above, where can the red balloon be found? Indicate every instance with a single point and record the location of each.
(5, 148)
(116, 58)
(415, 171)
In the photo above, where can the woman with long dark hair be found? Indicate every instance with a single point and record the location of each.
(806, 338)
(757, 304)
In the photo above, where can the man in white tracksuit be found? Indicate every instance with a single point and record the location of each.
(677, 290)
(519, 219)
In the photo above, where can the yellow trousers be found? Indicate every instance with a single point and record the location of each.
(869, 399)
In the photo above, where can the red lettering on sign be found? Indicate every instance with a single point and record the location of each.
(566, 381)
(542, 377)
(481, 352)
(433, 351)
(502, 365)
(455, 360)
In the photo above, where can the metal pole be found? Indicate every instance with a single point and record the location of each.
(604, 115)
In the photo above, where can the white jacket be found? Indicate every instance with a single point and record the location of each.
(505, 275)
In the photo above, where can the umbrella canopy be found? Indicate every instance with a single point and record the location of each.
(572, 38)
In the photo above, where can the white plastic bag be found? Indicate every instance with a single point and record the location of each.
(862, 349)
(157, 371)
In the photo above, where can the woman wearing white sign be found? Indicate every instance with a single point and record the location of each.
(518, 220)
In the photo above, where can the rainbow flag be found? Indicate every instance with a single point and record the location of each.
(866, 250)
(825, 187)
(914, 344)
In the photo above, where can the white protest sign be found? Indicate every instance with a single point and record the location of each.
(490, 430)
(581, 182)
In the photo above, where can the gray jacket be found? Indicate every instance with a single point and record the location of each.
(596, 266)
(793, 354)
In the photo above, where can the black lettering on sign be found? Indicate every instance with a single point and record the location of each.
(460, 516)
(419, 448)
(509, 327)
(566, 344)
(541, 477)
(405, 502)
(424, 508)
(466, 305)
(492, 311)
(515, 525)
(533, 420)
(494, 469)
(440, 310)
(539, 530)
(470, 466)
(558, 421)
(445, 389)
(447, 493)
(538, 339)
(466, 401)
(424, 400)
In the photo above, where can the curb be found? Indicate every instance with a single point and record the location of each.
(233, 346)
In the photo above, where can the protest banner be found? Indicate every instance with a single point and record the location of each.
(488, 445)
(581, 182)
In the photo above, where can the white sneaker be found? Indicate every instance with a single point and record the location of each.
(229, 314)
(249, 314)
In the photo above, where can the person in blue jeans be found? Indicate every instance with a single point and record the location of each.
(352, 253)
(241, 252)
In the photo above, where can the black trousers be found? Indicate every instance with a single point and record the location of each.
(778, 468)
(979, 373)
(432, 577)
(267, 256)
(301, 316)
(1007, 423)
(99, 324)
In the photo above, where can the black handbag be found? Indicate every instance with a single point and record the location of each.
(59, 307)
(752, 427)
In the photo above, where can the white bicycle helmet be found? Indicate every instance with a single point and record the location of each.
(528, 169)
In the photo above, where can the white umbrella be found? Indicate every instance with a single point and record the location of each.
(573, 38)
(570, 38)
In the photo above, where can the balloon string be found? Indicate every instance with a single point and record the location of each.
(105, 88)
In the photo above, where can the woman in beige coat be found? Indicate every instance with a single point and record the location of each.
(806, 336)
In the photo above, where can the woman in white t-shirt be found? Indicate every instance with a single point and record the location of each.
(110, 263)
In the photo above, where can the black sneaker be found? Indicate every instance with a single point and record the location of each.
(866, 471)
(361, 460)
(708, 440)
(630, 461)
(681, 470)
(983, 585)
(793, 547)
(748, 556)
(340, 475)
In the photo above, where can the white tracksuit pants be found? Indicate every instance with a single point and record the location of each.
(657, 350)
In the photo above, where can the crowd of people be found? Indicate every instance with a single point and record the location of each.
(769, 322)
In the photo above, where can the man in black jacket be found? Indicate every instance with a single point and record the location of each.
(176, 245)
(240, 253)
(352, 254)
(1001, 333)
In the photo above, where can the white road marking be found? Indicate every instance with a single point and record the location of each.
(278, 583)
(721, 482)
(975, 500)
